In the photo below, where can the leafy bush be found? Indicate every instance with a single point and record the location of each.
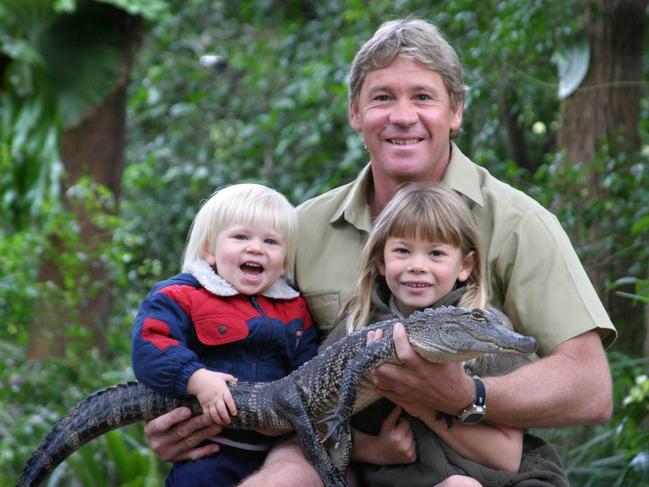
(256, 90)
(609, 232)
(33, 396)
(614, 454)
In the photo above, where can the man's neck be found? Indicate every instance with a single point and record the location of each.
(383, 191)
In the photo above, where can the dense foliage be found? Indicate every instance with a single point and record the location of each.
(256, 90)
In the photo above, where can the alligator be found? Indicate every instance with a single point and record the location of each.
(316, 400)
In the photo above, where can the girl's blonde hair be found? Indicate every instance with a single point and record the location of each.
(241, 204)
(432, 213)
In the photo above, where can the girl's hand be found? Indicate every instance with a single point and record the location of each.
(212, 391)
(374, 335)
(418, 385)
(395, 443)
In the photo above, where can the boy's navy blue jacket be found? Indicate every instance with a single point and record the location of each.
(198, 320)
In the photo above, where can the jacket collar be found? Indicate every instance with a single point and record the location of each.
(215, 284)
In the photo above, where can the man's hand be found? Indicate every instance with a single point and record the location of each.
(418, 386)
(175, 436)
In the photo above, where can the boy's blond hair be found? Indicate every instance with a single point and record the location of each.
(242, 204)
(433, 213)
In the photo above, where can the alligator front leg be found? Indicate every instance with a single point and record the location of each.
(368, 358)
(292, 405)
(341, 452)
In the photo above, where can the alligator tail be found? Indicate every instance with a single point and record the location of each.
(104, 411)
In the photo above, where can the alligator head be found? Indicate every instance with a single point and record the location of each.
(448, 334)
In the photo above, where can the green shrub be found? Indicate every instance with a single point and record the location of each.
(617, 453)
(34, 396)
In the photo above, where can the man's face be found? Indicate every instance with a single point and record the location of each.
(404, 113)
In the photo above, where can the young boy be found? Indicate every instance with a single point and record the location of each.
(230, 315)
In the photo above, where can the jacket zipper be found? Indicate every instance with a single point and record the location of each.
(257, 306)
(298, 333)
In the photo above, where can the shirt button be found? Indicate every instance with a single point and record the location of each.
(223, 329)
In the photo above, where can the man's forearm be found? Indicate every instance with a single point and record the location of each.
(570, 386)
(284, 465)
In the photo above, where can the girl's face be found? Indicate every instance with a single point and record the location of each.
(419, 272)
(251, 258)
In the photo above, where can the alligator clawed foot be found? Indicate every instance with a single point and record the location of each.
(335, 424)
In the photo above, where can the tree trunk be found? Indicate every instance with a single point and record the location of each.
(608, 100)
(605, 109)
(515, 140)
(93, 148)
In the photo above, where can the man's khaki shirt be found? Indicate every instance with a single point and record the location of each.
(532, 272)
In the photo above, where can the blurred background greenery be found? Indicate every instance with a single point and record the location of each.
(118, 117)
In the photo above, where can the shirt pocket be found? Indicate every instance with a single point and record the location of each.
(220, 328)
(324, 307)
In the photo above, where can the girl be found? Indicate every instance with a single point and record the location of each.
(422, 251)
(230, 315)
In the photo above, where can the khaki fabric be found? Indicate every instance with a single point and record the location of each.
(533, 273)
(333, 230)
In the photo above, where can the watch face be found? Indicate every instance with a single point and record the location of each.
(472, 415)
(472, 418)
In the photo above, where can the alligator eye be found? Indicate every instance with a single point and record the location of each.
(478, 315)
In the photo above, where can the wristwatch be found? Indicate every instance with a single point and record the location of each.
(475, 412)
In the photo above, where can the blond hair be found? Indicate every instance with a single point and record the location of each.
(432, 213)
(241, 204)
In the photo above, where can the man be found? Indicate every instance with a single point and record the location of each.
(407, 99)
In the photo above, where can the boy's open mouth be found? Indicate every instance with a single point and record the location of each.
(252, 268)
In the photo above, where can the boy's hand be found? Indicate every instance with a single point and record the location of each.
(212, 391)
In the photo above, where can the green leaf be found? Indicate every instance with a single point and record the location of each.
(152, 10)
(86, 466)
(83, 54)
(22, 51)
(119, 454)
(640, 225)
(640, 465)
(152, 478)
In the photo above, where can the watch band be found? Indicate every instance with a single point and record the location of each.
(480, 392)
(474, 413)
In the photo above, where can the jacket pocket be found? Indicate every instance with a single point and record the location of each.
(220, 328)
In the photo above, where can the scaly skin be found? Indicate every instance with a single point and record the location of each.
(327, 390)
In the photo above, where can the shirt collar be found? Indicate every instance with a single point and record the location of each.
(461, 175)
(355, 207)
